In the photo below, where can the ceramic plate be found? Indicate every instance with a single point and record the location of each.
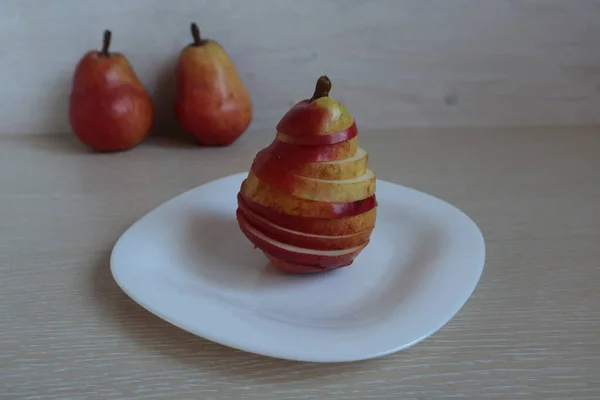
(188, 262)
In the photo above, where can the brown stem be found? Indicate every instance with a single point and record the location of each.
(106, 44)
(322, 88)
(196, 35)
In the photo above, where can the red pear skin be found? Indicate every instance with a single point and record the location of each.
(316, 140)
(319, 115)
(109, 108)
(211, 102)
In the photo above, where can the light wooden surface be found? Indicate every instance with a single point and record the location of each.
(530, 331)
(424, 63)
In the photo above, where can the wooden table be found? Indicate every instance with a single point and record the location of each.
(530, 331)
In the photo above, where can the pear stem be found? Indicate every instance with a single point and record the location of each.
(322, 88)
(106, 44)
(196, 35)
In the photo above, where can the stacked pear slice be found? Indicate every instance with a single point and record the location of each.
(309, 199)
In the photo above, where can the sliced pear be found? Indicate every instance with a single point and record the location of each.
(325, 259)
(258, 191)
(300, 239)
(322, 190)
(318, 226)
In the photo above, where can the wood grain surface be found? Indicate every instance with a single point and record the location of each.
(424, 63)
(530, 331)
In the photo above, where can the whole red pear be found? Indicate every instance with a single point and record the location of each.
(211, 102)
(109, 108)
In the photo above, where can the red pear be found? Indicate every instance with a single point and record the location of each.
(109, 108)
(211, 101)
(308, 201)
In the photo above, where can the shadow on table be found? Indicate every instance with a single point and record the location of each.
(165, 339)
(66, 143)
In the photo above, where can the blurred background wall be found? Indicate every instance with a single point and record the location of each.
(395, 63)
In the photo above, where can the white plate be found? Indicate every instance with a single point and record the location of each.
(188, 262)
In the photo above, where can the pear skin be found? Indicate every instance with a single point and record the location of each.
(211, 102)
(109, 108)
